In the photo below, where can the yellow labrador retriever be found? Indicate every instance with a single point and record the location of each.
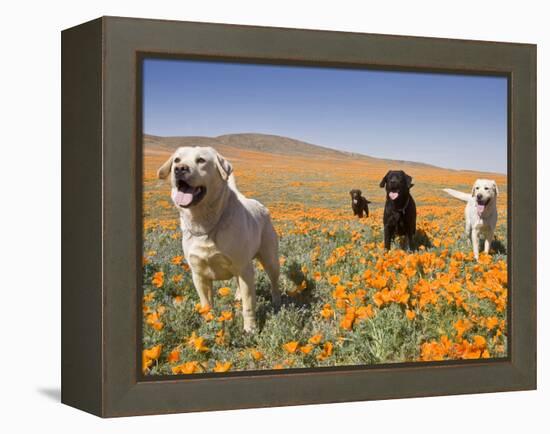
(222, 231)
(480, 213)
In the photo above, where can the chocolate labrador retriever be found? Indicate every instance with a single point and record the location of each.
(359, 204)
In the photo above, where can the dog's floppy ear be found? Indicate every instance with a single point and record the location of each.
(474, 189)
(165, 169)
(384, 179)
(224, 167)
(495, 188)
(409, 181)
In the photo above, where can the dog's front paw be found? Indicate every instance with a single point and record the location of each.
(238, 296)
(276, 300)
(249, 325)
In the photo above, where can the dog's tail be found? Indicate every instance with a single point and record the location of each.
(458, 194)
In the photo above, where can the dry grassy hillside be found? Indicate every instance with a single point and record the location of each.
(267, 143)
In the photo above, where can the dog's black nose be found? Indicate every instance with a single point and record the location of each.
(181, 169)
(479, 196)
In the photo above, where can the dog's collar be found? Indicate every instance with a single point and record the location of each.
(402, 210)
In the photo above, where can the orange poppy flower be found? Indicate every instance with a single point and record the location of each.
(158, 279)
(149, 297)
(197, 343)
(176, 260)
(153, 320)
(491, 322)
(224, 291)
(220, 337)
(149, 356)
(153, 352)
(364, 312)
(178, 299)
(327, 311)
(205, 312)
(339, 292)
(334, 279)
(291, 347)
(462, 326)
(158, 325)
(256, 355)
(186, 368)
(306, 349)
(222, 367)
(174, 355)
(315, 339)
(327, 351)
(225, 316)
(378, 299)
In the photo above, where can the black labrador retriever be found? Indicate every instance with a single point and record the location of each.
(359, 204)
(400, 209)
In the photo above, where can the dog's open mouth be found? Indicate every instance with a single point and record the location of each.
(393, 195)
(481, 204)
(188, 195)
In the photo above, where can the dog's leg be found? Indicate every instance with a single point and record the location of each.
(467, 230)
(268, 256)
(238, 296)
(410, 246)
(204, 289)
(489, 240)
(475, 243)
(271, 267)
(388, 236)
(248, 296)
(467, 225)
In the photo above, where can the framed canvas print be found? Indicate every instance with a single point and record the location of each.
(260, 216)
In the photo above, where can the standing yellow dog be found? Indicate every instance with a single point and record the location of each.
(222, 231)
(480, 214)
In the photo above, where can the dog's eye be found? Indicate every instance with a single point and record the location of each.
(486, 188)
(200, 160)
(477, 188)
(177, 160)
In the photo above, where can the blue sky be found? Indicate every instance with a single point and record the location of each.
(453, 121)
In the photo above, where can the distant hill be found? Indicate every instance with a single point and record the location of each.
(247, 141)
(267, 143)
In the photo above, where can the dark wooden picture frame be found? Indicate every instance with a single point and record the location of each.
(101, 253)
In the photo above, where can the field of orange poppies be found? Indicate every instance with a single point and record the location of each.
(345, 300)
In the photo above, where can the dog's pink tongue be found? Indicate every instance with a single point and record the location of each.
(480, 208)
(393, 195)
(183, 198)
